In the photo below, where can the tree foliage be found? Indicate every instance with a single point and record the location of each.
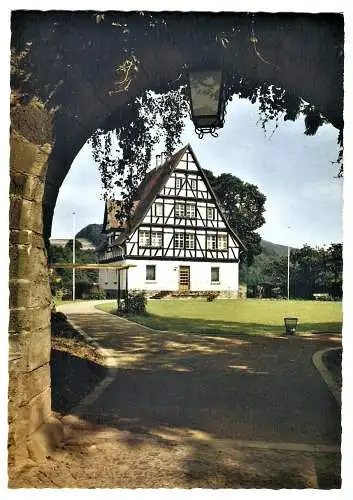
(243, 206)
(107, 52)
(312, 270)
(124, 156)
(84, 279)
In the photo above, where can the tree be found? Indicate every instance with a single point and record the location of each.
(78, 245)
(330, 276)
(312, 270)
(243, 206)
(119, 55)
(83, 278)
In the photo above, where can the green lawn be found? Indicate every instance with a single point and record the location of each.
(237, 316)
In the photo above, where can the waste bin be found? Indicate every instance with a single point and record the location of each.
(291, 325)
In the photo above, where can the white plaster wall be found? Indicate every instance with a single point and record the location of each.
(167, 275)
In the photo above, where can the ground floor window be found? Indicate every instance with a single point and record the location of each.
(214, 274)
(150, 273)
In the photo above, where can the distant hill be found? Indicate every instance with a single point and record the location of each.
(92, 233)
(270, 248)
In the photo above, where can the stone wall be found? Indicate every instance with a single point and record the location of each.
(32, 431)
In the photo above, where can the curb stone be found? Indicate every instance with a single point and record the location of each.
(325, 373)
(103, 385)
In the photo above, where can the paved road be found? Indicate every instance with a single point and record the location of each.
(229, 387)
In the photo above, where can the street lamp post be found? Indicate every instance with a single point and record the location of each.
(288, 262)
(73, 255)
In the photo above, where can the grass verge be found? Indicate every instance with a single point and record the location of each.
(262, 317)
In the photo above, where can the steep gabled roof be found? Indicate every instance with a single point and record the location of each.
(148, 190)
(152, 185)
(215, 199)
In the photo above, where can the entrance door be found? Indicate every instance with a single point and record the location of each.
(184, 278)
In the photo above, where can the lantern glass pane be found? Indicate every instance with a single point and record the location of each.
(205, 92)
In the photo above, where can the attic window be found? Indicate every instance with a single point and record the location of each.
(158, 209)
(178, 182)
(210, 213)
(222, 242)
(144, 238)
(179, 210)
(190, 211)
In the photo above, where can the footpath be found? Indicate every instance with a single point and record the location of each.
(186, 410)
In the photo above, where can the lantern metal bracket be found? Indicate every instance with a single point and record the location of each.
(200, 132)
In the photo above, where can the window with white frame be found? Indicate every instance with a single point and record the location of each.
(211, 242)
(144, 238)
(222, 242)
(178, 182)
(150, 273)
(193, 183)
(190, 211)
(210, 213)
(156, 238)
(179, 210)
(158, 209)
(189, 241)
(214, 274)
(179, 240)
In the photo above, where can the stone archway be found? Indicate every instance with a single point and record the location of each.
(51, 120)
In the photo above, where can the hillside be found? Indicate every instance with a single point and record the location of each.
(92, 233)
(270, 248)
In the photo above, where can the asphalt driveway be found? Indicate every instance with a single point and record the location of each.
(231, 387)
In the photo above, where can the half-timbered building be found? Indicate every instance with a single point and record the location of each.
(177, 236)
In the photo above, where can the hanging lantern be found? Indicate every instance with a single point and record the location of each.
(207, 101)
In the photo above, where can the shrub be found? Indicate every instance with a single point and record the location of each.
(137, 301)
(210, 296)
(58, 316)
(59, 294)
(96, 295)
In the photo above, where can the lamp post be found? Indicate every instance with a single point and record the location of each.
(73, 255)
(207, 101)
(288, 261)
(288, 264)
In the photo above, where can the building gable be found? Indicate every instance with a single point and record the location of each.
(176, 215)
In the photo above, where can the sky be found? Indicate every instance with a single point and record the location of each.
(294, 171)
